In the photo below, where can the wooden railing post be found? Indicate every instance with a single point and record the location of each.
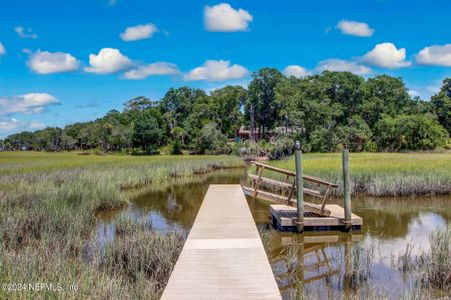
(293, 185)
(346, 189)
(299, 188)
(323, 204)
(257, 183)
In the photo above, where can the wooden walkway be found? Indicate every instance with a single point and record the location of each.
(223, 257)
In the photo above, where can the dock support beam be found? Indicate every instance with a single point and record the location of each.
(346, 188)
(299, 189)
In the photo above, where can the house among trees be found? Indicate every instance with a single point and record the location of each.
(245, 133)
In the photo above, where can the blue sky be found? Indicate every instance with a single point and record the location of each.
(68, 61)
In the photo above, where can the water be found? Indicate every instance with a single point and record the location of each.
(390, 224)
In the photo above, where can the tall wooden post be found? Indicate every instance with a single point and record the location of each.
(346, 188)
(299, 188)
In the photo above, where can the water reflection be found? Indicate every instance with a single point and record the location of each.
(314, 263)
(170, 209)
(325, 262)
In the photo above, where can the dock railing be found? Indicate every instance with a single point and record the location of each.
(288, 187)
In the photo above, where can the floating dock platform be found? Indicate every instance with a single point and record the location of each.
(283, 218)
(284, 212)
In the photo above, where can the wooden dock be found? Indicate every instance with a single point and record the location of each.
(321, 216)
(223, 257)
(284, 218)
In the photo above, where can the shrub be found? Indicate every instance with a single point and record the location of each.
(212, 141)
(410, 132)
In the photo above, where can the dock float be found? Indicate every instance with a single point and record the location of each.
(223, 257)
(283, 218)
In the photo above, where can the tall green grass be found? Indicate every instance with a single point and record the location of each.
(48, 204)
(381, 174)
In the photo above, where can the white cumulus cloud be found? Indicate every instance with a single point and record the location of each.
(2, 49)
(44, 62)
(12, 125)
(355, 28)
(436, 55)
(386, 55)
(138, 32)
(158, 68)
(32, 103)
(7, 125)
(108, 61)
(216, 70)
(224, 18)
(25, 34)
(340, 65)
(296, 71)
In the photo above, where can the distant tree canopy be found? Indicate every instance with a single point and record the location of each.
(325, 111)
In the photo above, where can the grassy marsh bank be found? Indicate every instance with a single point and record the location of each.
(48, 204)
(382, 174)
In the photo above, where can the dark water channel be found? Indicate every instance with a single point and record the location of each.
(390, 225)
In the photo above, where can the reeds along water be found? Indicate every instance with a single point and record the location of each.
(47, 214)
(381, 174)
(350, 271)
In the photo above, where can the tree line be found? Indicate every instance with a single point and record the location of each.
(324, 111)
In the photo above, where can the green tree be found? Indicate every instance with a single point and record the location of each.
(19, 141)
(345, 89)
(147, 132)
(177, 104)
(409, 132)
(261, 107)
(383, 95)
(288, 96)
(137, 104)
(441, 103)
(356, 136)
(212, 141)
(48, 139)
(227, 103)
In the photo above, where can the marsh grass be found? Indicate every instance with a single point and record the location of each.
(404, 261)
(381, 174)
(360, 261)
(141, 256)
(436, 264)
(428, 273)
(48, 204)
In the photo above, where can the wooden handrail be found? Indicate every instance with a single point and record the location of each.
(268, 167)
(290, 173)
(319, 180)
(285, 185)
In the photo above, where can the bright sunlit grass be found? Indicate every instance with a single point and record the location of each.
(48, 203)
(382, 173)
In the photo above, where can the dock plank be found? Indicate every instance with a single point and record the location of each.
(286, 217)
(223, 257)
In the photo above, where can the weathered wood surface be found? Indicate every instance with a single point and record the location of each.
(223, 257)
(267, 196)
(284, 185)
(286, 217)
(289, 189)
(291, 173)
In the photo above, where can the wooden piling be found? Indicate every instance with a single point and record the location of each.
(299, 189)
(346, 189)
